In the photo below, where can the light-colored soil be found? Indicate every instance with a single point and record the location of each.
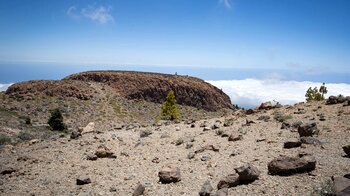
(53, 165)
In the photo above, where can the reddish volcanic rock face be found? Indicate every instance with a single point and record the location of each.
(76, 89)
(154, 87)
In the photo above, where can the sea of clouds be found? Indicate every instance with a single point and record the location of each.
(3, 87)
(250, 93)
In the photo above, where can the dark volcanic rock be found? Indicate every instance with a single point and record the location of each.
(289, 165)
(308, 129)
(104, 152)
(235, 137)
(347, 149)
(169, 174)
(229, 181)
(154, 87)
(75, 135)
(247, 173)
(332, 100)
(81, 180)
(8, 170)
(293, 143)
(139, 190)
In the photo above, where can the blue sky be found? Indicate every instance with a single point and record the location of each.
(212, 39)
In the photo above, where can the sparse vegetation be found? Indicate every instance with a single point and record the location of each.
(169, 108)
(56, 120)
(325, 189)
(26, 119)
(24, 136)
(315, 94)
(4, 139)
(282, 118)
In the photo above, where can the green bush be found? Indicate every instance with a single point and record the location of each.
(4, 139)
(282, 117)
(56, 120)
(25, 136)
(315, 94)
(169, 108)
(26, 119)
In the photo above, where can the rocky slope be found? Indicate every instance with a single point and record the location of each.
(117, 161)
(151, 87)
(154, 87)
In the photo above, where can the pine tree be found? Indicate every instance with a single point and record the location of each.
(169, 107)
(56, 120)
(323, 90)
(313, 94)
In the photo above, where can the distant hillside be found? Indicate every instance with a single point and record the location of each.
(152, 87)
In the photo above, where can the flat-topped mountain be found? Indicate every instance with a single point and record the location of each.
(152, 87)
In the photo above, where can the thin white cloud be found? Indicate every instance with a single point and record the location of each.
(226, 3)
(100, 14)
(72, 12)
(250, 93)
(3, 87)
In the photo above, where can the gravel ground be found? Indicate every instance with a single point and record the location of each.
(51, 167)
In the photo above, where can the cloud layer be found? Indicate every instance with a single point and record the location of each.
(226, 3)
(3, 87)
(98, 14)
(249, 93)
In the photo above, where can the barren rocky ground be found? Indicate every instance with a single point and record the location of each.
(200, 149)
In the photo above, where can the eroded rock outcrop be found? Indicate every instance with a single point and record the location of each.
(154, 87)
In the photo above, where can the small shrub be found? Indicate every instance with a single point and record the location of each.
(169, 108)
(25, 136)
(315, 94)
(4, 139)
(56, 120)
(282, 117)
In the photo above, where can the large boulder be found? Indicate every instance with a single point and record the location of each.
(285, 165)
(169, 174)
(332, 100)
(308, 129)
(266, 106)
